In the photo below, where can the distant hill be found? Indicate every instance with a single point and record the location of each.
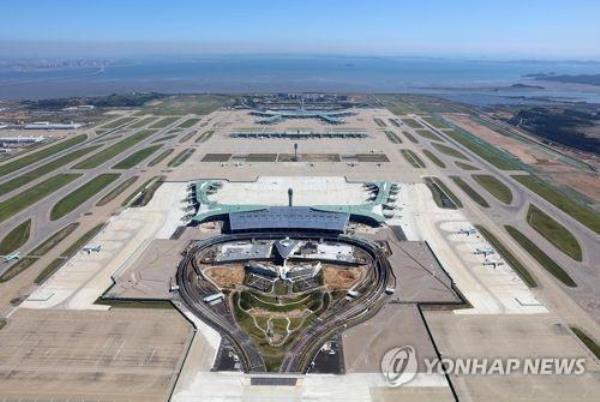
(589, 79)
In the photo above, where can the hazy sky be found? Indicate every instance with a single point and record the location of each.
(507, 28)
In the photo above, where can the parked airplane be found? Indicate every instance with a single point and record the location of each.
(92, 247)
(12, 256)
(485, 251)
(467, 232)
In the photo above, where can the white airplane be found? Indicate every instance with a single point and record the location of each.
(493, 264)
(467, 232)
(12, 256)
(92, 247)
(484, 251)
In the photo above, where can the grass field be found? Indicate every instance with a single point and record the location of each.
(188, 136)
(29, 197)
(165, 138)
(205, 136)
(15, 238)
(118, 122)
(188, 104)
(54, 239)
(164, 122)
(17, 268)
(585, 215)
(542, 258)
(474, 195)
(181, 157)
(412, 158)
(412, 123)
(82, 241)
(49, 270)
(143, 122)
(188, 123)
(393, 137)
(81, 195)
(515, 264)
(439, 191)
(160, 157)
(137, 157)
(453, 152)
(500, 159)
(465, 166)
(432, 157)
(435, 122)
(41, 154)
(49, 167)
(143, 194)
(554, 232)
(113, 150)
(495, 187)
(114, 193)
(588, 342)
(410, 137)
(430, 135)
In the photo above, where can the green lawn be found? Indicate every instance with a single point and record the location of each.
(41, 154)
(17, 268)
(136, 157)
(495, 187)
(585, 215)
(500, 159)
(453, 152)
(412, 158)
(205, 136)
(81, 195)
(588, 342)
(519, 268)
(114, 193)
(35, 174)
(113, 150)
(465, 166)
(188, 123)
(439, 189)
(49, 270)
(164, 122)
(181, 157)
(118, 122)
(29, 197)
(410, 137)
(160, 157)
(434, 158)
(435, 122)
(542, 258)
(15, 238)
(143, 122)
(412, 123)
(430, 135)
(554, 232)
(54, 239)
(393, 137)
(474, 195)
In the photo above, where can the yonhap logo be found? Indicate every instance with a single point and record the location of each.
(399, 365)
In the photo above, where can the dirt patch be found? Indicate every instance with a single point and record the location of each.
(226, 277)
(338, 278)
(558, 171)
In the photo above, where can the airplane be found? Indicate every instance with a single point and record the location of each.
(467, 231)
(493, 264)
(12, 256)
(92, 247)
(484, 251)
